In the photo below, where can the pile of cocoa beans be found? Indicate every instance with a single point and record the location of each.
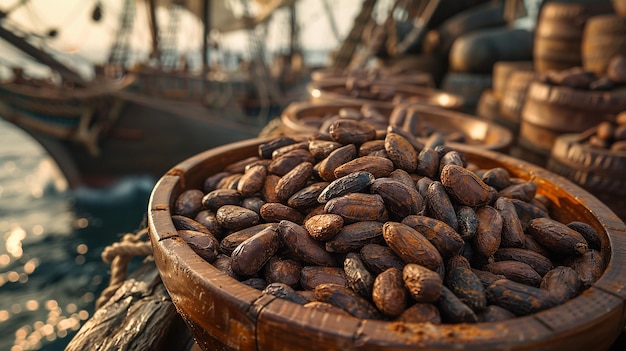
(579, 78)
(402, 120)
(609, 135)
(387, 229)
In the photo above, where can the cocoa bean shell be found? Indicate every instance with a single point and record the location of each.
(488, 233)
(445, 239)
(251, 255)
(423, 284)
(376, 165)
(347, 300)
(252, 181)
(467, 287)
(411, 246)
(557, 237)
(379, 258)
(389, 294)
(516, 271)
(324, 227)
(562, 283)
(302, 245)
(312, 276)
(465, 187)
(519, 298)
(354, 236)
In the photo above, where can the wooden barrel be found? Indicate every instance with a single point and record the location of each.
(224, 314)
(550, 111)
(558, 36)
(382, 94)
(488, 106)
(604, 37)
(599, 171)
(488, 15)
(502, 71)
(308, 118)
(514, 98)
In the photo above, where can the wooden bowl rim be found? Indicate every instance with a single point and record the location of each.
(425, 95)
(266, 312)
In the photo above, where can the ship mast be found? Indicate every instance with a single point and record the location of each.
(22, 44)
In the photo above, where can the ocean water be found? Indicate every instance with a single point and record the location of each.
(51, 272)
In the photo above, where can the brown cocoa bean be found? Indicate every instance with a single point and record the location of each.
(488, 233)
(279, 270)
(324, 227)
(379, 258)
(453, 310)
(562, 283)
(512, 230)
(445, 239)
(411, 246)
(538, 262)
(557, 237)
(428, 163)
(346, 131)
(276, 212)
(467, 221)
(293, 181)
(320, 149)
(236, 217)
(377, 166)
(302, 245)
(266, 149)
(588, 232)
(188, 203)
(519, 298)
(389, 294)
(203, 244)
(439, 205)
(285, 163)
(401, 200)
(249, 257)
(285, 292)
(589, 267)
(516, 271)
(401, 152)
(307, 197)
(336, 158)
(424, 285)
(351, 183)
(231, 241)
(467, 287)
(465, 187)
(497, 177)
(312, 276)
(354, 236)
(524, 191)
(355, 207)
(420, 313)
(346, 299)
(359, 278)
(221, 197)
(186, 223)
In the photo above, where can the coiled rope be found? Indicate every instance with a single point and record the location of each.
(119, 255)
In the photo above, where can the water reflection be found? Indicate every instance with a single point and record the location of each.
(50, 267)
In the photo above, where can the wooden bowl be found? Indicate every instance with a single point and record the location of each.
(225, 314)
(410, 77)
(307, 118)
(337, 92)
(597, 170)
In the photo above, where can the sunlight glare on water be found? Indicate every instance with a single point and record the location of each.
(50, 266)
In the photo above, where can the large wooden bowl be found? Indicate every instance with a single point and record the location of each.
(337, 92)
(225, 314)
(307, 118)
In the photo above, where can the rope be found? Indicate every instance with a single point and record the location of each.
(119, 255)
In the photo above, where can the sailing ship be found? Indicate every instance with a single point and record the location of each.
(143, 118)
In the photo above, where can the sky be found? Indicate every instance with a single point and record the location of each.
(88, 41)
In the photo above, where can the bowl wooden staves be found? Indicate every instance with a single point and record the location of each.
(224, 314)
